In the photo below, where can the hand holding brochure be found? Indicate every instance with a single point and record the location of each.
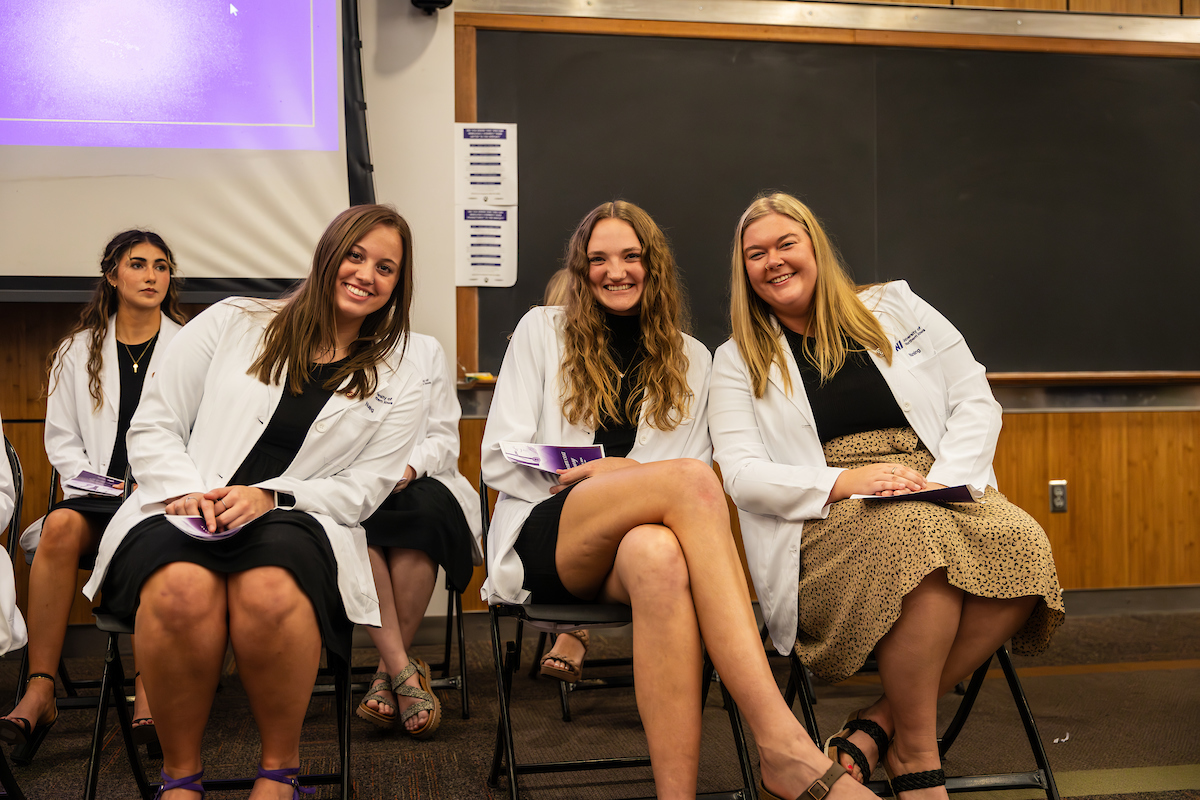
(950, 494)
(550, 457)
(92, 483)
(194, 527)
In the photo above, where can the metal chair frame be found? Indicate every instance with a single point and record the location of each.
(1042, 778)
(7, 779)
(113, 679)
(559, 619)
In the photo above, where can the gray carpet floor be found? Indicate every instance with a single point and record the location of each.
(1121, 694)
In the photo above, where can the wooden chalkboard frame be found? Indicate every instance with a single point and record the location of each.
(466, 25)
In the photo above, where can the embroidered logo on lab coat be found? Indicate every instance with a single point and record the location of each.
(909, 339)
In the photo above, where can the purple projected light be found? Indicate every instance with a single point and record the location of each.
(244, 74)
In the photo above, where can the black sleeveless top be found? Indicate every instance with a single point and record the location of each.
(133, 376)
(619, 434)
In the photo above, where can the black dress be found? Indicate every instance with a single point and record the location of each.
(96, 509)
(293, 540)
(426, 516)
(538, 540)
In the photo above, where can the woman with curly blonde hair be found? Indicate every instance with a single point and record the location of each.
(646, 525)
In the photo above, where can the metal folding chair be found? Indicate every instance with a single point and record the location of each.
(554, 619)
(1041, 778)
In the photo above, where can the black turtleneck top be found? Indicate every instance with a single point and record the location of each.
(625, 343)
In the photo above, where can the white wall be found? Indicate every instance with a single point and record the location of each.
(408, 75)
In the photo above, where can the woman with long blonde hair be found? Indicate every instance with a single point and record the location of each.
(94, 383)
(827, 392)
(277, 426)
(646, 525)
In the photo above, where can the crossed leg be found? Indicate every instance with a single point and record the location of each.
(684, 498)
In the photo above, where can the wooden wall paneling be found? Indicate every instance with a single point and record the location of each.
(1037, 5)
(1169, 8)
(470, 435)
(466, 297)
(28, 332)
(1163, 503)
(1191, 8)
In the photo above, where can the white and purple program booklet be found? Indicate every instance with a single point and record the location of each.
(550, 457)
(92, 483)
(194, 527)
(951, 494)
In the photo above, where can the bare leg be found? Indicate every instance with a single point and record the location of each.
(651, 576)
(66, 537)
(911, 658)
(685, 497)
(277, 643)
(404, 580)
(181, 629)
(984, 625)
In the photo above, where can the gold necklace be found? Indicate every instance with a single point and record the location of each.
(142, 355)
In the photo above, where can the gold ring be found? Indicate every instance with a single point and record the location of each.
(894, 470)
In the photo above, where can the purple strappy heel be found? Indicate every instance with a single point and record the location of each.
(192, 783)
(286, 775)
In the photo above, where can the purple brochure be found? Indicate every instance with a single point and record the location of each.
(951, 494)
(550, 457)
(92, 483)
(194, 527)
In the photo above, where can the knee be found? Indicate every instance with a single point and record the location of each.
(697, 484)
(182, 596)
(265, 597)
(651, 560)
(64, 533)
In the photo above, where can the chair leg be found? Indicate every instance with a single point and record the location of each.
(449, 630)
(22, 674)
(505, 665)
(125, 720)
(12, 789)
(964, 709)
(112, 683)
(800, 681)
(462, 658)
(564, 700)
(535, 666)
(739, 743)
(345, 709)
(1031, 731)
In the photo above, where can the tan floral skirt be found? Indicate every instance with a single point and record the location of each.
(857, 564)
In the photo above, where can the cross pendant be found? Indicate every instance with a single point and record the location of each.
(135, 369)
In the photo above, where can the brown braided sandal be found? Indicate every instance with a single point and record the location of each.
(574, 671)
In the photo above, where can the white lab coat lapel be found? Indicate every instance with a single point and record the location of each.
(110, 382)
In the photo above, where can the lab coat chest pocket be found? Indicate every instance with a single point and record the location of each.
(344, 435)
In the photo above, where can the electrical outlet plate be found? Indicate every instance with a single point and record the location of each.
(1058, 497)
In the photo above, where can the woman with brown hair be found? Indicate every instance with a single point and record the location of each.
(829, 391)
(95, 379)
(647, 525)
(294, 419)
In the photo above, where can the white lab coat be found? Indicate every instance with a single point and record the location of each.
(527, 407)
(772, 461)
(436, 452)
(12, 625)
(201, 413)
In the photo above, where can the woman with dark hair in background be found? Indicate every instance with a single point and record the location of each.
(95, 379)
(825, 391)
(294, 419)
(647, 525)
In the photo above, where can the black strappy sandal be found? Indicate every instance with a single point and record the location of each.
(841, 741)
(26, 735)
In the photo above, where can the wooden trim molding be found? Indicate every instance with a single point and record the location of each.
(1147, 377)
(465, 110)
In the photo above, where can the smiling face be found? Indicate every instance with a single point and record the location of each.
(367, 275)
(781, 267)
(141, 278)
(615, 270)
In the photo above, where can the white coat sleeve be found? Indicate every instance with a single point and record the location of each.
(64, 429)
(756, 483)
(516, 407)
(974, 418)
(438, 451)
(8, 491)
(354, 492)
(699, 440)
(162, 425)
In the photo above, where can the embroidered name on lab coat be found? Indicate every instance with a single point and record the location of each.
(907, 340)
(380, 398)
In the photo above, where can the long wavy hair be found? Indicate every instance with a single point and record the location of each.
(305, 325)
(838, 314)
(590, 390)
(103, 305)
